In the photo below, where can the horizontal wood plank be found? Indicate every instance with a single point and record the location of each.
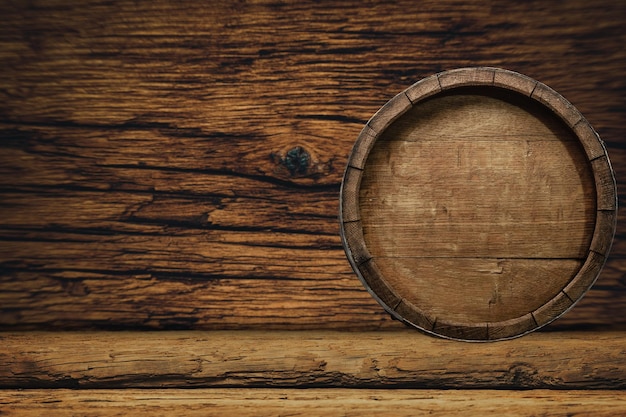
(177, 164)
(293, 402)
(400, 359)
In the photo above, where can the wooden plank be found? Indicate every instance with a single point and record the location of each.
(71, 298)
(507, 186)
(293, 402)
(478, 289)
(401, 359)
(168, 165)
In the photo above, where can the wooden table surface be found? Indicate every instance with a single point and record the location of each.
(176, 166)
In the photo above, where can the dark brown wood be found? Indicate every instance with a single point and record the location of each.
(331, 359)
(177, 165)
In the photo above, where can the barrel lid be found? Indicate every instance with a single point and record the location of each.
(478, 204)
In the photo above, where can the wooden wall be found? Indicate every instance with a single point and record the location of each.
(176, 165)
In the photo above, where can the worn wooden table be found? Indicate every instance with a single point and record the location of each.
(176, 166)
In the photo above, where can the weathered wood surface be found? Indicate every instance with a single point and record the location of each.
(311, 402)
(177, 164)
(383, 359)
(478, 214)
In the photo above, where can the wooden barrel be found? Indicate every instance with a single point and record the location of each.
(478, 204)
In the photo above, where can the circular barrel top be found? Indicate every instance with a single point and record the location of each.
(478, 204)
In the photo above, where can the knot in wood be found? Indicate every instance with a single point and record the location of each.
(297, 160)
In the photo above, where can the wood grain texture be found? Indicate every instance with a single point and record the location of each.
(311, 402)
(477, 205)
(177, 165)
(332, 359)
